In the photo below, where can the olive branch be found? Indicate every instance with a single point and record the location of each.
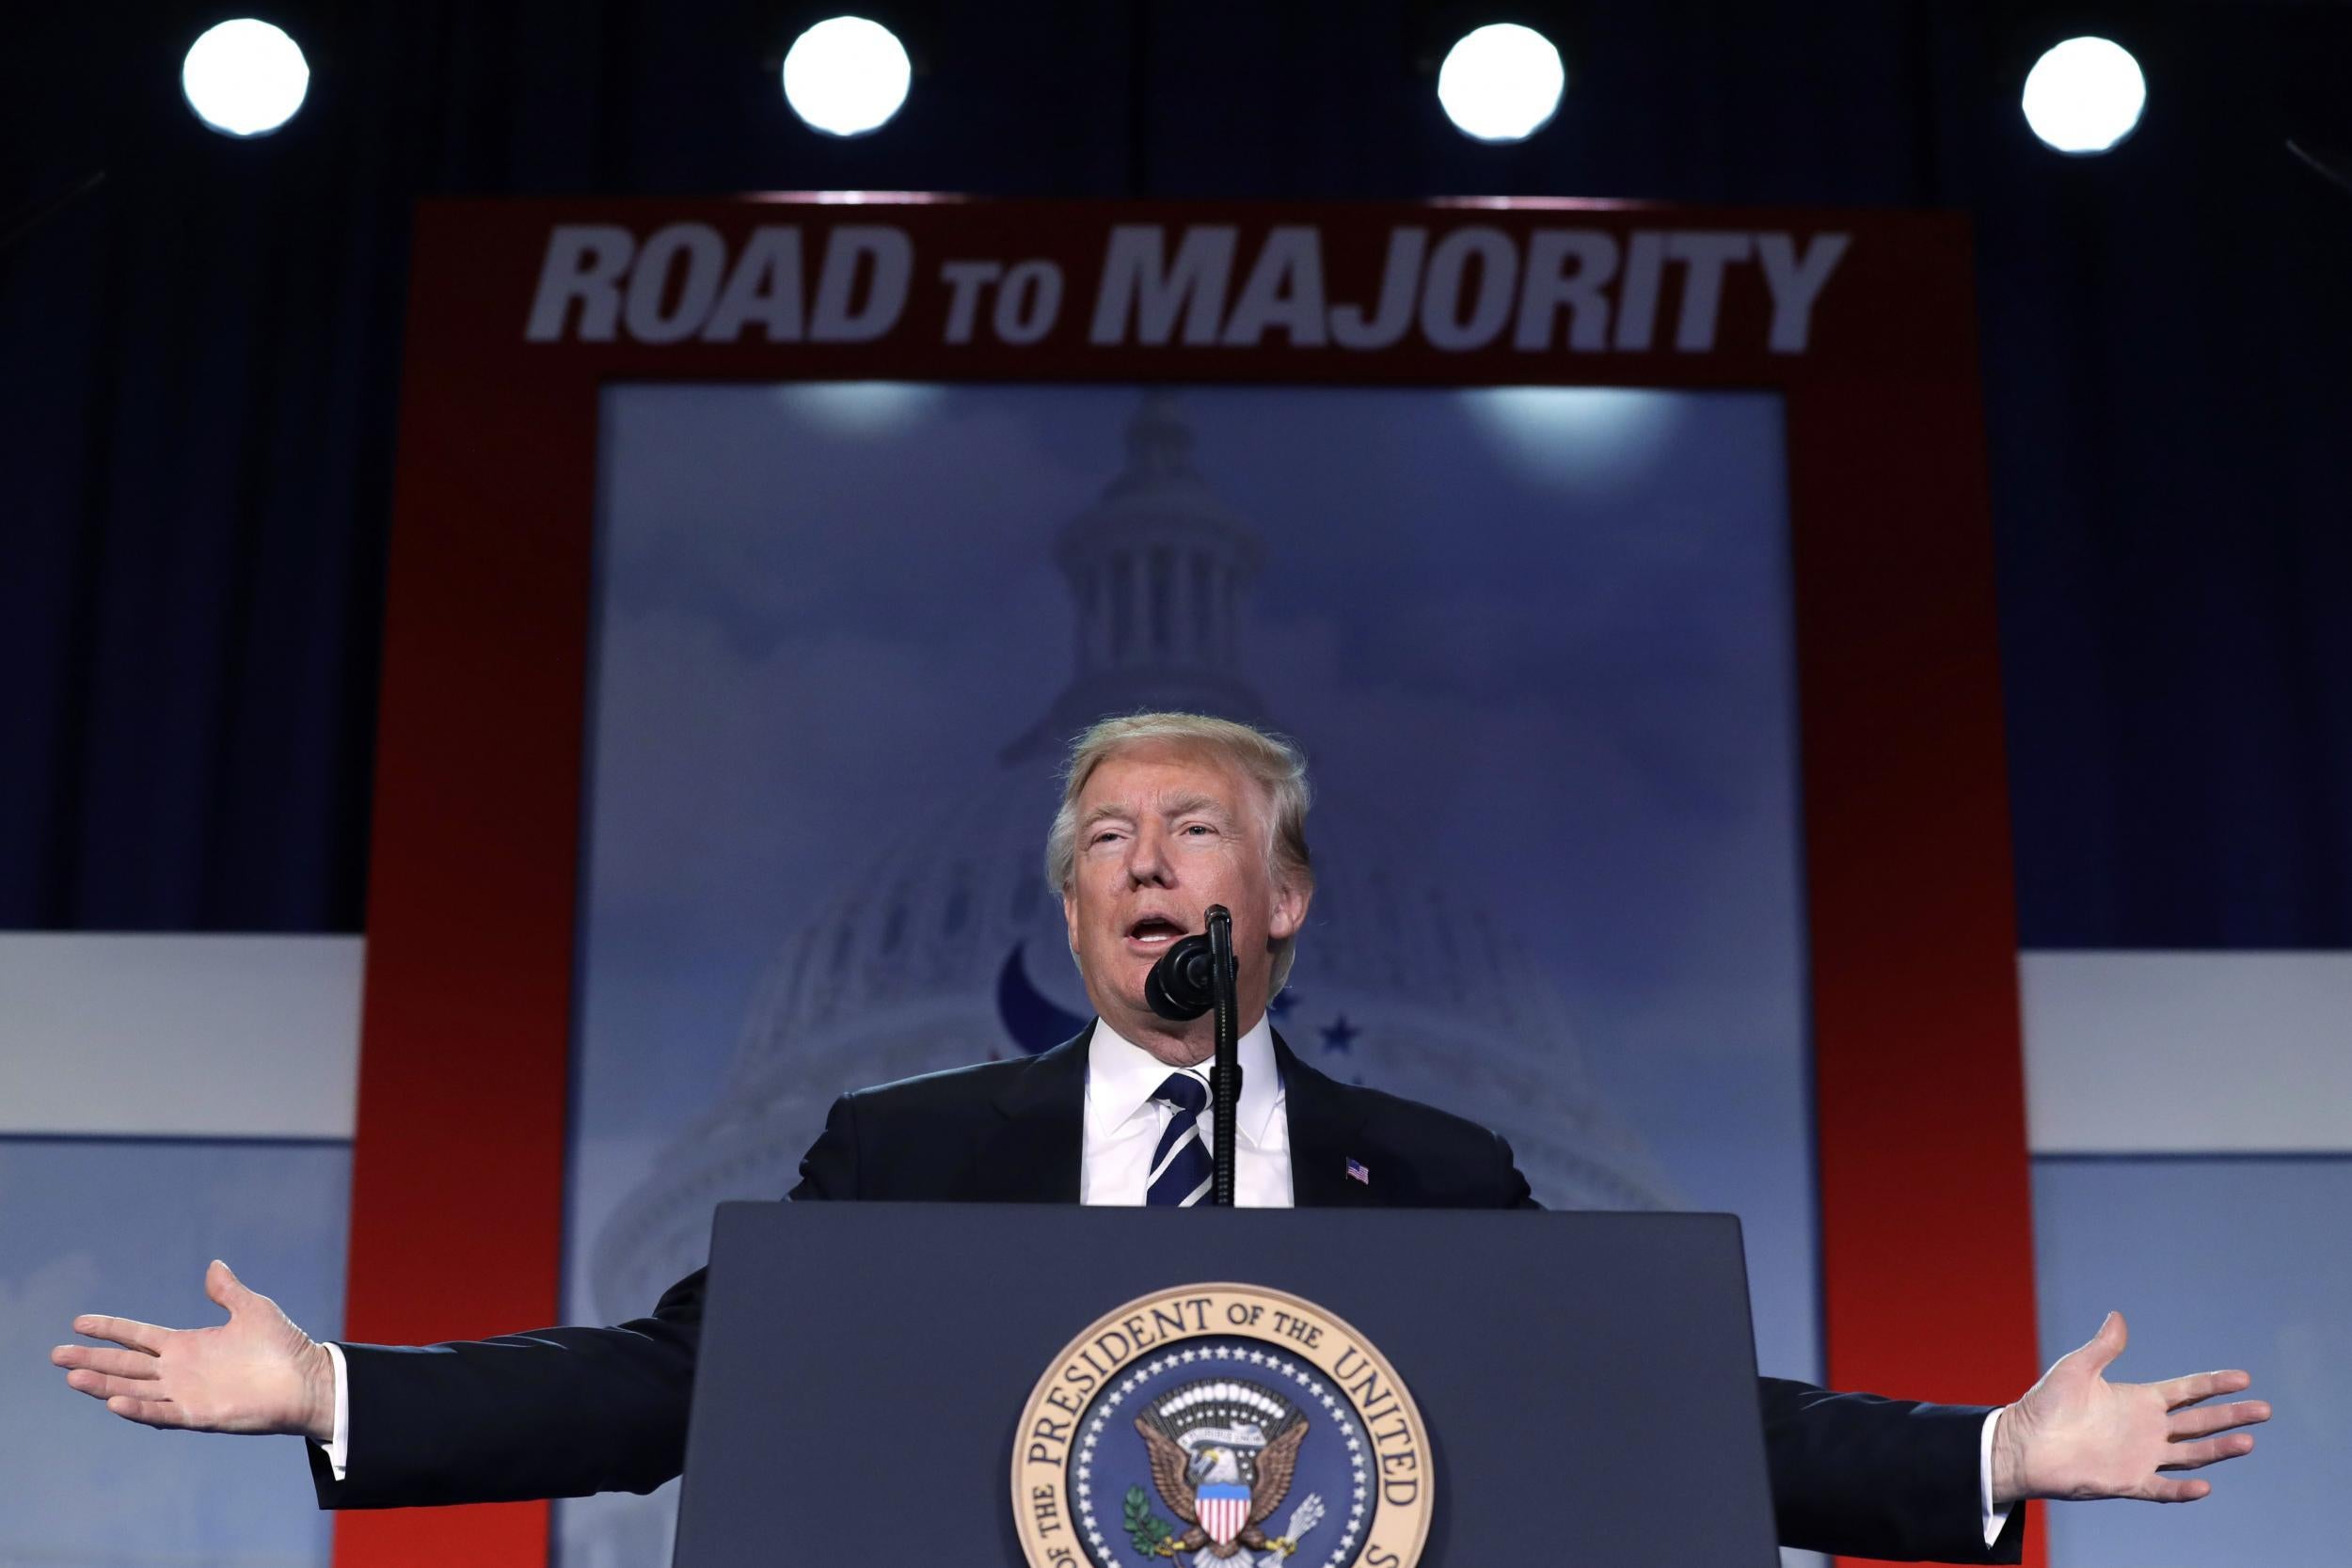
(1147, 1531)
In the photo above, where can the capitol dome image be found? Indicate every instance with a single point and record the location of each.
(947, 947)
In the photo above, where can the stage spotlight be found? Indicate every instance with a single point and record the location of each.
(2084, 95)
(245, 78)
(1501, 82)
(847, 76)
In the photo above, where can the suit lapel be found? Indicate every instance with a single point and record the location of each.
(1031, 1154)
(1324, 1115)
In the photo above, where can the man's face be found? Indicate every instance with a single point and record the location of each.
(1164, 832)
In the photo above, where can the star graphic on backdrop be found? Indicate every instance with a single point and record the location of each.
(1340, 1035)
(1282, 1003)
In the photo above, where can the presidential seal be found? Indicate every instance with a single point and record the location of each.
(1221, 1426)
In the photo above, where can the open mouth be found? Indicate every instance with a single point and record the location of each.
(1154, 930)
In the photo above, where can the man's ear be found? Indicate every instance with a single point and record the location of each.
(1289, 910)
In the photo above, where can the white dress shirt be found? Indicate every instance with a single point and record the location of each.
(1123, 1124)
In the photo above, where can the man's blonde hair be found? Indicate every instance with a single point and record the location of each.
(1271, 761)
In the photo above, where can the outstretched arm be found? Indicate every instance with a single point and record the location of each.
(1870, 1477)
(560, 1412)
(554, 1413)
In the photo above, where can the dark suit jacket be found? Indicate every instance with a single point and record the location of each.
(565, 1412)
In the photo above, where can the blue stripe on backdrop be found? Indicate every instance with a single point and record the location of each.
(126, 1227)
(2215, 1261)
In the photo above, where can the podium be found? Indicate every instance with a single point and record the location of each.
(995, 1385)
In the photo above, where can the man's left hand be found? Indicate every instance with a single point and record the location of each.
(2076, 1435)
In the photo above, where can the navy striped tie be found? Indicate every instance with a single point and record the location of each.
(1181, 1166)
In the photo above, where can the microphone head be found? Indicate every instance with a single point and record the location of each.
(1183, 985)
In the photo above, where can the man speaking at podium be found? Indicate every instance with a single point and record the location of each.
(1163, 815)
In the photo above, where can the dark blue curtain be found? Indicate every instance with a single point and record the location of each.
(199, 364)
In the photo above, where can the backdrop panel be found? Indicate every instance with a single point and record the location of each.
(1638, 608)
(1535, 639)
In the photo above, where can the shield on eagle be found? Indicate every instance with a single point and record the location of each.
(1223, 1510)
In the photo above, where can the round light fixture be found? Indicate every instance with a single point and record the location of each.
(1501, 82)
(2084, 95)
(847, 76)
(245, 78)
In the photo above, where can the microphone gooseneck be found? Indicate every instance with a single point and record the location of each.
(1225, 1076)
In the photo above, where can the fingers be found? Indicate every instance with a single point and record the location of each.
(123, 1331)
(147, 1412)
(2106, 1344)
(2163, 1489)
(2207, 1419)
(2178, 1391)
(2195, 1456)
(98, 1385)
(114, 1363)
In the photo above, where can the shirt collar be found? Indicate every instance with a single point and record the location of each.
(1121, 1078)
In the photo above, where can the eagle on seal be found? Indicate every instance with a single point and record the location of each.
(1180, 1478)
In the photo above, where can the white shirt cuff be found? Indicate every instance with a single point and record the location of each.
(1995, 1519)
(339, 1451)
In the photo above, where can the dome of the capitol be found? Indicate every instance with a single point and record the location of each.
(947, 947)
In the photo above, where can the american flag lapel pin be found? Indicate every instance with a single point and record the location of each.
(1355, 1172)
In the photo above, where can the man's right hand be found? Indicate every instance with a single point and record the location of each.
(255, 1373)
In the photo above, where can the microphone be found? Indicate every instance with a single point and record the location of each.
(1196, 975)
(1183, 985)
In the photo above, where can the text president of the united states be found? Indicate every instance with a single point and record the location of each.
(1162, 815)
